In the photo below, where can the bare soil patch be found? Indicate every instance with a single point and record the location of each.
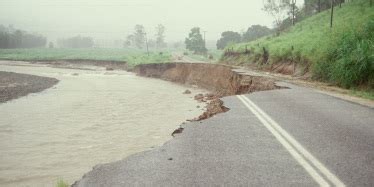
(15, 85)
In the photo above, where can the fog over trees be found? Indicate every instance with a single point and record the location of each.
(111, 20)
(15, 38)
(76, 42)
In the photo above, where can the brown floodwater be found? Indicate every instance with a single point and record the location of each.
(89, 117)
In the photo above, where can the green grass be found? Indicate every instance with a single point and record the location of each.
(342, 55)
(367, 94)
(131, 56)
(62, 183)
(313, 37)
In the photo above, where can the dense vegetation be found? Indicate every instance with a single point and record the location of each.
(132, 57)
(343, 55)
(15, 38)
(195, 42)
(253, 32)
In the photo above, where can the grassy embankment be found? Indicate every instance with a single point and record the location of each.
(343, 55)
(216, 54)
(132, 57)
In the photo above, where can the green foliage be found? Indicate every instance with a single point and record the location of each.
(228, 37)
(62, 183)
(195, 41)
(312, 6)
(132, 57)
(342, 55)
(256, 31)
(352, 60)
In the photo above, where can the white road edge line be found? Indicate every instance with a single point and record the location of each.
(316, 163)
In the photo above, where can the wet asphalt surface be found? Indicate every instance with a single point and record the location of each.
(235, 148)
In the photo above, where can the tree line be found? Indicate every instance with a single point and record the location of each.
(285, 12)
(76, 42)
(139, 38)
(254, 32)
(14, 38)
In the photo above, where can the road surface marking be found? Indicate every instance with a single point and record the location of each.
(301, 155)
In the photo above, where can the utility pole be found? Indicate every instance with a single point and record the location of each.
(204, 39)
(319, 5)
(332, 12)
(293, 11)
(146, 42)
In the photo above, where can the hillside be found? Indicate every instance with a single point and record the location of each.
(343, 55)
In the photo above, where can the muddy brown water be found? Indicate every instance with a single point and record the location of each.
(89, 117)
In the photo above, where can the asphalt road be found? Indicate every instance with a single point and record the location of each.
(288, 137)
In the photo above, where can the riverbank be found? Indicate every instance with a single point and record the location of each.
(15, 85)
(92, 116)
(220, 80)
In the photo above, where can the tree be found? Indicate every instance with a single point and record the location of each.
(139, 36)
(160, 36)
(293, 4)
(228, 37)
(130, 41)
(256, 31)
(76, 42)
(278, 10)
(195, 41)
(313, 6)
(14, 38)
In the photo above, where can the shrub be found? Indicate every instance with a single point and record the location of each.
(350, 62)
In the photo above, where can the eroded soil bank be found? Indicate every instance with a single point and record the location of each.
(219, 79)
(15, 85)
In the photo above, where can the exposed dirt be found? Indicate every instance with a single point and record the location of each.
(15, 85)
(219, 79)
(108, 65)
(214, 107)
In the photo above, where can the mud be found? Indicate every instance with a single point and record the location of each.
(218, 79)
(15, 85)
(77, 64)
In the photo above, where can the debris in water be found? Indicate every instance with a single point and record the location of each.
(178, 131)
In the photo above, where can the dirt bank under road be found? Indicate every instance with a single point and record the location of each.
(219, 79)
(15, 85)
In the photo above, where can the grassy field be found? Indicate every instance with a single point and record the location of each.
(342, 55)
(216, 54)
(131, 56)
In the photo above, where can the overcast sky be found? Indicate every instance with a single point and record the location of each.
(110, 19)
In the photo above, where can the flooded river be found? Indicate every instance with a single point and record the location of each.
(89, 117)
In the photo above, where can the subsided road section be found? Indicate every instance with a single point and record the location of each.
(236, 148)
